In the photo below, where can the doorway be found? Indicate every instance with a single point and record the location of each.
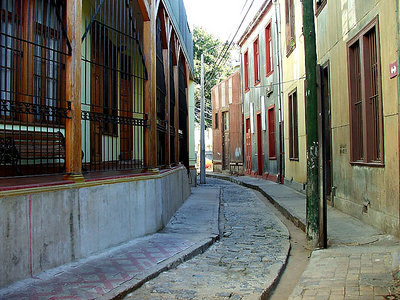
(126, 107)
(225, 141)
(248, 146)
(326, 134)
(260, 155)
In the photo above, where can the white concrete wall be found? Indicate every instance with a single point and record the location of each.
(40, 231)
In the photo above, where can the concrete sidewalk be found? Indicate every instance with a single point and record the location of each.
(360, 261)
(190, 232)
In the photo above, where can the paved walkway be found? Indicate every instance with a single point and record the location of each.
(243, 264)
(192, 229)
(360, 261)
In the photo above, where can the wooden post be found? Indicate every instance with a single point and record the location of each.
(176, 81)
(149, 47)
(312, 192)
(73, 131)
(167, 105)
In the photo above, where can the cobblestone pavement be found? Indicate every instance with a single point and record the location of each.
(244, 264)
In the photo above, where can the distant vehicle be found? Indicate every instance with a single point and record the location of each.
(209, 164)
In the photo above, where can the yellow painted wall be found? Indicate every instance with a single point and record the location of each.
(337, 23)
(293, 78)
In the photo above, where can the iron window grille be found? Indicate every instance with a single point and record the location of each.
(183, 112)
(293, 127)
(33, 104)
(366, 119)
(172, 102)
(113, 77)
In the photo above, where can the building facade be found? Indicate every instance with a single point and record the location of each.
(261, 93)
(94, 126)
(293, 87)
(227, 125)
(357, 44)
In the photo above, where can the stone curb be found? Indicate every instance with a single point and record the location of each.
(279, 270)
(168, 264)
(294, 219)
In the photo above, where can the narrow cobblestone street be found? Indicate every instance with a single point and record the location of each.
(245, 262)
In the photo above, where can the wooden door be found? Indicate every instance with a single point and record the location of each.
(96, 108)
(326, 134)
(248, 146)
(126, 100)
(225, 141)
(259, 146)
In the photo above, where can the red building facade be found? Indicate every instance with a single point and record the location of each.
(227, 125)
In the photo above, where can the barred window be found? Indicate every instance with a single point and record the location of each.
(366, 118)
(293, 127)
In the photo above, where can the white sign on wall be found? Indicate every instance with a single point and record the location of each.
(263, 127)
(252, 117)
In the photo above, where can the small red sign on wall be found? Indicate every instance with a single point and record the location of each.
(393, 70)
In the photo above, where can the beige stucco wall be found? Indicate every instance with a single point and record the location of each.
(337, 23)
(293, 78)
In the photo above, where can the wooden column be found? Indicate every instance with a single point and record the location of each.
(167, 104)
(176, 82)
(150, 88)
(73, 131)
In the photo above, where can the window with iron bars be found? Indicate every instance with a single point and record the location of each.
(172, 102)
(33, 104)
(162, 124)
(113, 76)
(293, 127)
(290, 26)
(366, 118)
(183, 112)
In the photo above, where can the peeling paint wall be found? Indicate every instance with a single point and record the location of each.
(358, 185)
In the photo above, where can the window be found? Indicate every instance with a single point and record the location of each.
(319, 5)
(32, 60)
(223, 101)
(256, 52)
(290, 26)
(293, 127)
(225, 116)
(271, 132)
(217, 97)
(230, 90)
(268, 50)
(216, 121)
(246, 70)
(366, 119)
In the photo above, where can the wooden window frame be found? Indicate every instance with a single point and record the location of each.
(269, 49)
(271, 132)
(246, 71)
(290, 20)
(293, 126)
(319, 6)
(23, 86)
(370, 134)
(256, 62)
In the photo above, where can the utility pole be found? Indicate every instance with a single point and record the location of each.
(202, 128)
(312, 192)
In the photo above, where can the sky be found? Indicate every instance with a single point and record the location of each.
(221, 17)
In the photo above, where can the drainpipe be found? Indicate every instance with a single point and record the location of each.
(280, 106)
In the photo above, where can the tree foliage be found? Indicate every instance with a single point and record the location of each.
(214, 70)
